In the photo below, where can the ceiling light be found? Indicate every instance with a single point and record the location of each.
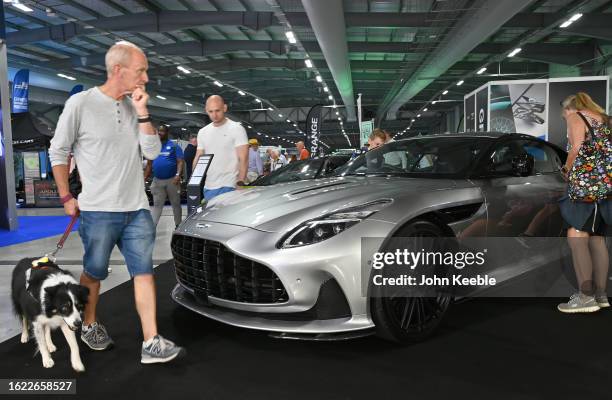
(325, 89)
(183, 69)
(567, 23)
(412, 120)
(257, 100)
(289, 121)
(318, 78)
(418, 115)
(330, 97)
(250, 127)
(183, 129)
(280, 115)
(337, 113)
(290, 37)
(218, 83)
(188, 104)
(22, 7)
(481, 70)
(460, 83)
(514, 52)
(70, 78)
(308, 63)
(425, 109)
(241, 93)
(444, 92)
(160, 97)
(434, 102)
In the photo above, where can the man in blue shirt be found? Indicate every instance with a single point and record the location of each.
(167, 170)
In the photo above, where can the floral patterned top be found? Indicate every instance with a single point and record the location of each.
(590, 178)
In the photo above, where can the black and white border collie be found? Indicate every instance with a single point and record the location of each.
(47, 297)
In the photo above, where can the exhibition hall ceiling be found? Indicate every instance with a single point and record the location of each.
(400, 55)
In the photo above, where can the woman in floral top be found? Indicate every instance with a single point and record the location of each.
(587, 208)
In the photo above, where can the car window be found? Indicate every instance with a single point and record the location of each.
(440, 156)
(295, 171)
(500, 161)
(546, 159)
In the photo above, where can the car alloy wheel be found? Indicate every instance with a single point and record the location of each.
(410, 319)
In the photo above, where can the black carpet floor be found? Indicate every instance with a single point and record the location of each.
(487, 349)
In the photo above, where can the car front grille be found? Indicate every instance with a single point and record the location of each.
(207, 267)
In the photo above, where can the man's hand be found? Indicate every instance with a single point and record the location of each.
(140, 99)
(176, 180)
(71, 207)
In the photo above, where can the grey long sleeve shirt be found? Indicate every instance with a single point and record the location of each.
(103, 135)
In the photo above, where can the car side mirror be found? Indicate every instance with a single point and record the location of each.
(523, 165)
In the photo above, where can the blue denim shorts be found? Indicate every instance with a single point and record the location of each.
(133, 232)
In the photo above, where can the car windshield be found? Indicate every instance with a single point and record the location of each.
(445, 157)
(295, 171)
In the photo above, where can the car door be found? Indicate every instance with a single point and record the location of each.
(551, 186)
(514, 204)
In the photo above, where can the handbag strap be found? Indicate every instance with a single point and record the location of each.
(587, 123)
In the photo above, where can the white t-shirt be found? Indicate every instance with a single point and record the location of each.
(222, 142)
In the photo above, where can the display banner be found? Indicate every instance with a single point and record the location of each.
(8, 210)
(21, 85)
(359, 112)
(470, 111)
(314, 122)
(76, 89)
(482, 101)
(31, 172)
(559, 89)
(366, 129)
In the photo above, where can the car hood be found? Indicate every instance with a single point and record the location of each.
(279, 207)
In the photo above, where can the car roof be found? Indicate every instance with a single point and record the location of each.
(475, 135)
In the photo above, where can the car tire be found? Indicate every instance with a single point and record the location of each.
(410, 319)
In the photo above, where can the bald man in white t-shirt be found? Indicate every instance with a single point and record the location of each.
(228, 141)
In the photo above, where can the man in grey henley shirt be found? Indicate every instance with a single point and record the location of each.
(109, 132)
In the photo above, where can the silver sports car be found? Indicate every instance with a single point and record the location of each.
(287, 258)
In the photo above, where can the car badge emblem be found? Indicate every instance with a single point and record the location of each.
(203, 226)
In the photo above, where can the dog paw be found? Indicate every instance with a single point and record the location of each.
(51, 347)
(48, 362)
(78, 366)
(24, 338)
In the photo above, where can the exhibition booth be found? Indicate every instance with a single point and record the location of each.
(532, 106)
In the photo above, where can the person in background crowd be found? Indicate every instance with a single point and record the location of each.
(108, 132)
(394, 158)
(293, 158)
(587, 207)
(302, 152)
(282, 158)
(228, 141)
(376, 139)
(275, 160)
(189, 155)
(167, 169)
(255, 163)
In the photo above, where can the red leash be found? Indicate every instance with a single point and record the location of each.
(61, 242)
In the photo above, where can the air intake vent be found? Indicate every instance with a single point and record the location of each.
(459, 213)
(209, 268)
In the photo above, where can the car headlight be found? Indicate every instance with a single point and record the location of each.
(320, 229)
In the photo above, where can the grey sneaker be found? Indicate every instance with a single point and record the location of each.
(160, 350)
(602, 300)
(579, 303)
(96, 337)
